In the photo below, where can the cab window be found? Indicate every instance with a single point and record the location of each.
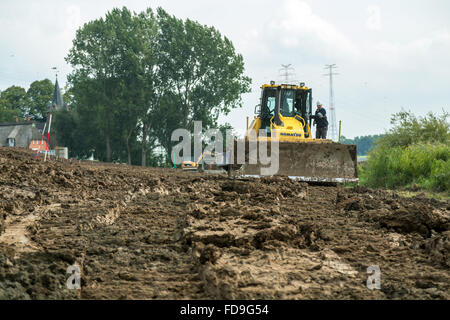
(270, 102)
(287, 103)
(303, 106)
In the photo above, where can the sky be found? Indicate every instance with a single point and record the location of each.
(390, 55)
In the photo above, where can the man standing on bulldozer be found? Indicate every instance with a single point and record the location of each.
(321, 122)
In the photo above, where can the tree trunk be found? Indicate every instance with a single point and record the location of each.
(144, 145)
(108, 148)
(129, 153)
(127, 142)
(169, 153)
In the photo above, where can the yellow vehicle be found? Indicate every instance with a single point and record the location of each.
(189, 166)
(285, 114)
(194, 166)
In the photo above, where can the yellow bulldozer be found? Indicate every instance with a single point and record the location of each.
(285, 114)
(189, 165)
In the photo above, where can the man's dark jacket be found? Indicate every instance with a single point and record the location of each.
(320, 120)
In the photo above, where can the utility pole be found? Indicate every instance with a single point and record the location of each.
(287, 72)
(333, 125)
(50, 120)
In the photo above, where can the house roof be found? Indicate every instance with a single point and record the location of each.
(37, 123)
(14, 132)
(22, 133)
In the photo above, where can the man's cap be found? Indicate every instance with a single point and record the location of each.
(319, 103)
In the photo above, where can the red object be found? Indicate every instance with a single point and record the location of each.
(37, 146)
(40, 144)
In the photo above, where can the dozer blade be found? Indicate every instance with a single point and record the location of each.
(306, 161)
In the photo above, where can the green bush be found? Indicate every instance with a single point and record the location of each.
(423, 165)
(415, 153)
(408, 129)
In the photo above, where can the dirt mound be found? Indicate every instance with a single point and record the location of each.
(143, 233)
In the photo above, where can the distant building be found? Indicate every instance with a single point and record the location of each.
(57, 102)
(20, 134)
(38, 145)
(56, 105)
(28, 134)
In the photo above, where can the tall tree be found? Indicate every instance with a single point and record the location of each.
(202, 68)
(13, 103)
(94, 79)
(130, 41)
(149, 80)
(170, 118)
(39, 95)
(138, 77)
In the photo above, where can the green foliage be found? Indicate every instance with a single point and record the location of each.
(138, 77)
(364, 143)
(408, 129)
(13, 103)
(16, 102)
(39, 95)
(414, 153)
(202, 68)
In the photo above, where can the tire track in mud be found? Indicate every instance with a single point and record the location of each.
(317, 242)
(16, 234)
(125, 249)
(18, 229)
(101, 218)
(138, 256)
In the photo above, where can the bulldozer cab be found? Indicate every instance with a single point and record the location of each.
(284, 100)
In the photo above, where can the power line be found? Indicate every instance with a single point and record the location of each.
(333, 124)
(287, 73)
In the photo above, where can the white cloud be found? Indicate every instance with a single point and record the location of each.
(299, 26)
(414, 53)
(374, 20)
(73, 18)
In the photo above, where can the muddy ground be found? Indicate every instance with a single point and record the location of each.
(143, 233)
